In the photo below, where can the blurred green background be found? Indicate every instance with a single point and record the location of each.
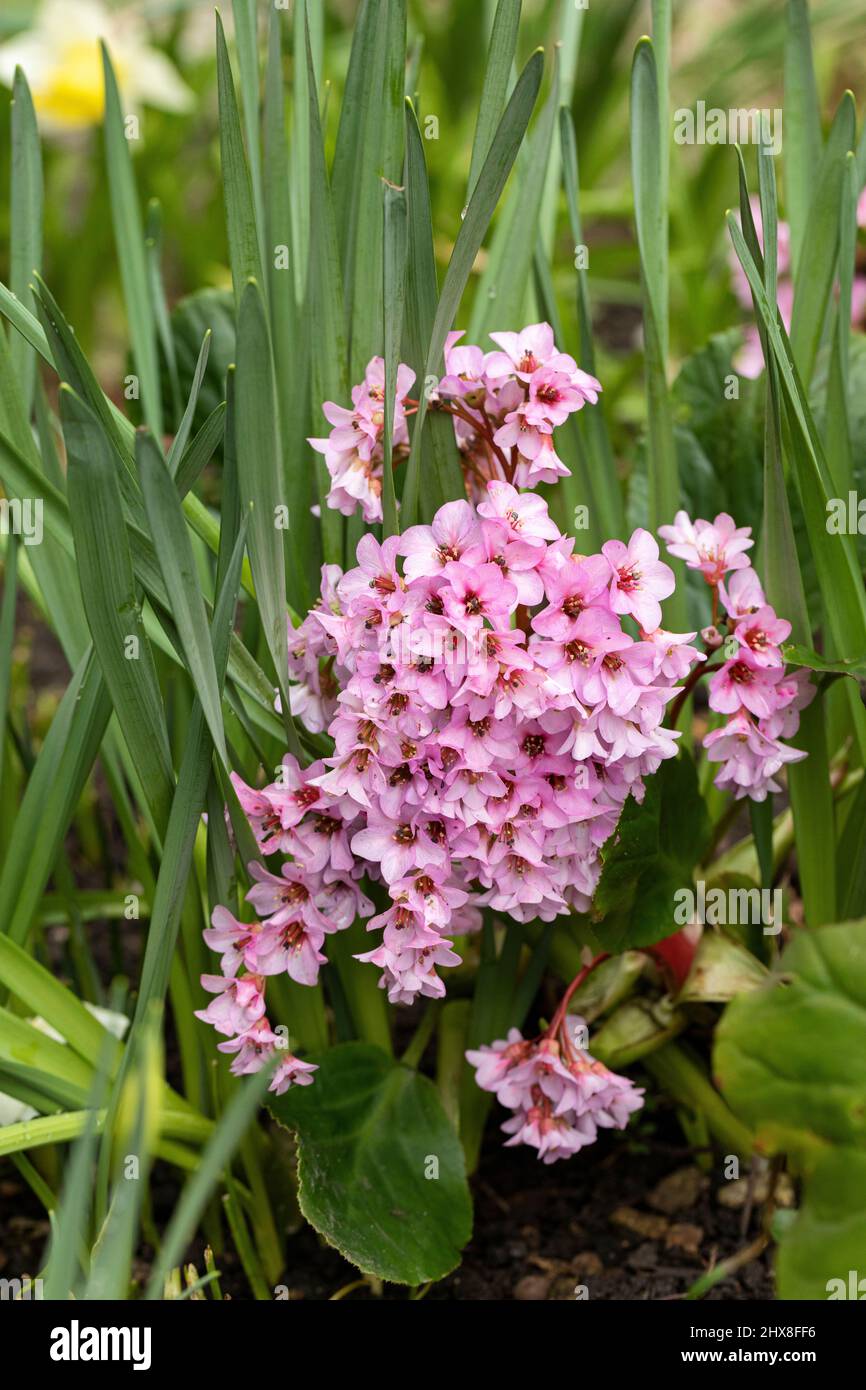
(725, 53)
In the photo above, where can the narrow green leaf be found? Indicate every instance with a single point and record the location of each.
(838, 414)
(129, 241)
(326, 321)
(500, 57)
(7, 636)
(260, 482)
(802, 124)
(48, 998)
(53, 789)
(820, 249)
(68, 1231)
(503, 287)
(200, 451)
(808, 781)
(181, 439)
(25, 212)
(111, 601)
(244, 256)
(111, 1260)
(165, 337)
(301, 187)
(835, 555)
(291, 346)
(648, 145)
(185, 816)
(246, 38)
(648, 163)
(369, 147)
(438, 449)
(591, 424)
(174, 551)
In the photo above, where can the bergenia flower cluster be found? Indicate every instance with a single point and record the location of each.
(506, 405)
(751, 687)
(561, 1095)
(492, 697)
(490, 714)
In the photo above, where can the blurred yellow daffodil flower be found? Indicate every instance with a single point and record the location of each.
(61, 59)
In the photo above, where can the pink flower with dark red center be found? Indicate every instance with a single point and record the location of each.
(428, 549)
(522, 353)
(763, 633)
(476, 592)
(744, 683)
(525, 516)
(553, 396)
(561, 1096)
(714, 547)
(254, 1048)
(575, 586)
(640, 579)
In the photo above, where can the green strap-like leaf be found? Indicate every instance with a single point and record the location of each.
(244, 256)
(500, 57)
(111, 601)
(260, 482)
(814, 280)
(326, 315)
(291, 346)
(802, 124)
(129, 240)
(502, 290)
(25, 213)
(181, 439)
(174, 551)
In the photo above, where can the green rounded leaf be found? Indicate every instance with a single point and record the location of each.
(792, 1061)
(369, 1130)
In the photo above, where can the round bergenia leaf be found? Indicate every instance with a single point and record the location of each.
(381, 1170)
(791, 1059)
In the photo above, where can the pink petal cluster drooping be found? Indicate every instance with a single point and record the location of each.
(505, 404)
(561, 1096)
(751, 687)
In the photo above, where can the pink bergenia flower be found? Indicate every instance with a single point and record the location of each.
(751, 686)
(239, 1003)
(713, 547)
(353, 450)
(560, 1094)
(640, 579)
(428, 549)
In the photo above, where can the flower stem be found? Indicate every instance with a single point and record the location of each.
(559, 1016)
